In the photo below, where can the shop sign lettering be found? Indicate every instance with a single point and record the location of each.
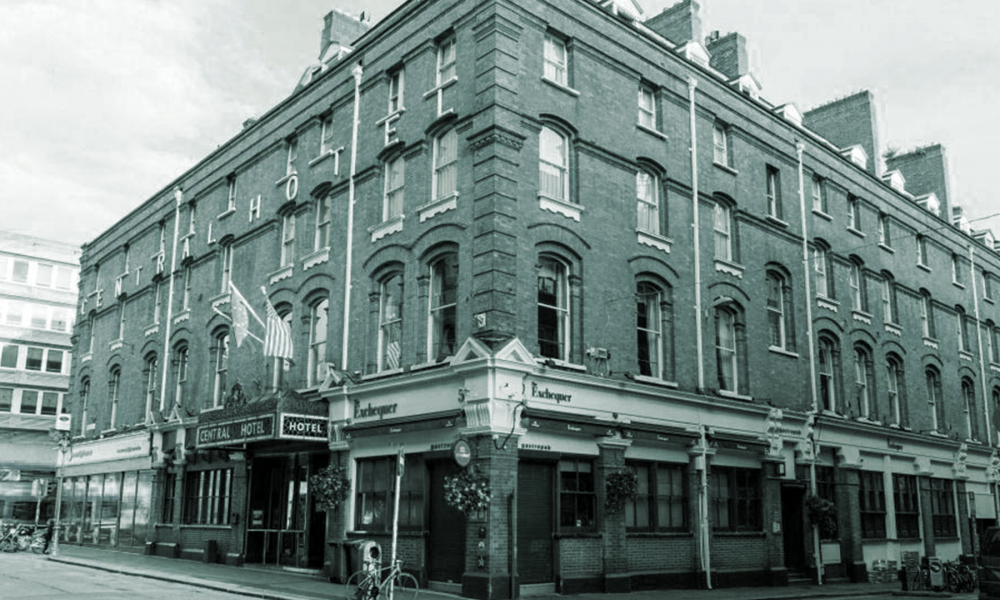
(373, 410)
(218, 434)
(537, 392)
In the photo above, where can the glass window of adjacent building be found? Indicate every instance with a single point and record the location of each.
(8, 356)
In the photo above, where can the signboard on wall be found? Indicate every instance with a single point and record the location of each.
(116, 448)
(304, 427)
(257, 427)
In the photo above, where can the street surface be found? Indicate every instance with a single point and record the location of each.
(25, 576)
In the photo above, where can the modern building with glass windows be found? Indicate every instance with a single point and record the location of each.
(38, 280)
(576, 248)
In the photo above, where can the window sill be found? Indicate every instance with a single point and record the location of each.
(726, 168)
(285, 179)
(960, 286)
(894, 329)
(783, 352)
(283, 273)
(862, 316)
(86, 357)
(965, 355)
(116, 344)
(445, 84)
(193, 526)
(658, 534)
(921, 265)
(393, 225)
(562, 364)
(316, 258)
(327, 154)
(577, 535)
(436, 207)
(735, 396)
(994, 367)
(393, 115)
(860, 234)
(824, 302)
(888, 249)
(654, 240)
(382, 373)
(730, 268)
(776, 221)
(561, 87)
(182, 316)
(723, 533)
(152, 330)
(651, 131)
(985, 299)
(931, 343)
(655, 381)
(822, 215)
(229, 212)
(217, 301)
(560, 207)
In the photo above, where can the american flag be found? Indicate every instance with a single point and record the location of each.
(278, 335)
(392, 345)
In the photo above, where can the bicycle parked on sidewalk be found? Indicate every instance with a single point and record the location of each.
(382, 584)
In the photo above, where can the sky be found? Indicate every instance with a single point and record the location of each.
(104, 102)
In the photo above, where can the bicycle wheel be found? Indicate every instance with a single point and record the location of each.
(8, 546)
(404, 587)
(361, 587)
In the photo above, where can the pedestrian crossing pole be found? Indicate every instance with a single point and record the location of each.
(400, 465)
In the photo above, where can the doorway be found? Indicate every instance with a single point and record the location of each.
(793, 524)
(534, 522)
(446, 543)
(284, 527)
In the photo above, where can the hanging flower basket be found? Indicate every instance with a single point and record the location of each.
(330, 487)
(822, 513)
(621, 486)
(468, 491)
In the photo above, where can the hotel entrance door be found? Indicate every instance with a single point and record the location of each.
(284, 528)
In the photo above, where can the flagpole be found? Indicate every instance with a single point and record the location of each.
(236, 291)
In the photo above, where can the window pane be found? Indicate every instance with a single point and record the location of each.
(20, 271)
(6, 399)
(8, 357)
(34, 360)
(44, 275)
(29, 402)
(55, 361)
(50, 402)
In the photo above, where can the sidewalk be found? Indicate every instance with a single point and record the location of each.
(278, 584)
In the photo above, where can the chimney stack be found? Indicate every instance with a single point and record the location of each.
(729, 54)
(681, 23)
(926, 172)
(847, 122)
(340, 30)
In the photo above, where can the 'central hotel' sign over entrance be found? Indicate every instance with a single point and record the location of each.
(263, 427)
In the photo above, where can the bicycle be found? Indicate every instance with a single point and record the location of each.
(370, 584)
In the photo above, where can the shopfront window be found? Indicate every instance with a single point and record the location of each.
(207, 495)
(577, 496)
(376, 487)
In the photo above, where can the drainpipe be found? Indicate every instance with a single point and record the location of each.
(817, 546)
(706, 556)
(692, 84)
(979, 337)
(357, 72)
(178, 200)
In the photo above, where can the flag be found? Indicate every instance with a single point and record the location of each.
(277, 336)
(392, 346)
(241, 319)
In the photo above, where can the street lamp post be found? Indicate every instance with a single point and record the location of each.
(61, 436)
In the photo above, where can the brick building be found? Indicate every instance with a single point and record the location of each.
(482, 225)
(38, 280)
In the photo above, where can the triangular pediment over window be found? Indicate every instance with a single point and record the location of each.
(513, 351)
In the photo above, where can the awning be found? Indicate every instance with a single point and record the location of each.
(734, 441)
(424, 422)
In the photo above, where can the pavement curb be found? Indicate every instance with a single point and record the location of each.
(192, 581)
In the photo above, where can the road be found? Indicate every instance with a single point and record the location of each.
(25, 576)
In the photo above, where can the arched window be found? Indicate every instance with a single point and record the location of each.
(553, 309)
(935, 399)
(442, 309)
(779, 311)
(730, 348)
(969, 406)
(863, 384)
(114, 395)
(180, 364)
(647, 191)
(84, 404)
(221, 368)
(446, 163)
(392, 206)
(653, 328)
(151, 370)
(318, 326)
(553, 178)
(893, 387)
(390, 322)
(829, 361)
